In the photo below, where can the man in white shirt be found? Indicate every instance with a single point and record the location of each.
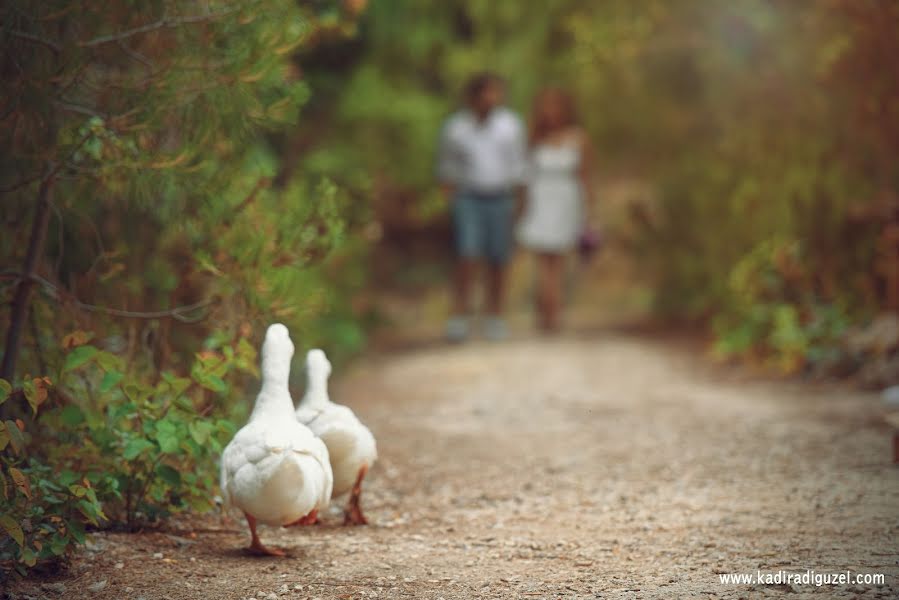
(481, 166)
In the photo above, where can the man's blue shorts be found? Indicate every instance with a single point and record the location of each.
(483, 226)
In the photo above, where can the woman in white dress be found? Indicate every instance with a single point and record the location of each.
(559, 194)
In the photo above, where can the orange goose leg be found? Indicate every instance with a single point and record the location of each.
(256, 546)
(353, 513)
(310, 519)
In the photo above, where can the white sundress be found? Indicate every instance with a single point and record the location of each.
(554, 213)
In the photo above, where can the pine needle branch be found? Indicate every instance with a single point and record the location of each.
(165, 22)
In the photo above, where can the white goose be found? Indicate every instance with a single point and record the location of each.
(275, 470)
(351, 445)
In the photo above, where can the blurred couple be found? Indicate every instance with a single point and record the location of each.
(504, 182)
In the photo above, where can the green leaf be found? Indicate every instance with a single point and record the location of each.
(135, 447)
(58, 545)
(185, 404)
(169, 475)
(5, 390)
(16, 439)
(67, 478)
(179, 384)
(76, 530)
(78, 357)
(13, 529)
(125, 410)
(136, 392)
(35, 391)
(213, 383)
(110, 362)
(4, 436)
(110, 380)
(167, 436)
(90, 511)
(199, 431)
(72, 415)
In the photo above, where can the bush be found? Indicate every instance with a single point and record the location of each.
(126, 448)
(44, 509)
(773, 310)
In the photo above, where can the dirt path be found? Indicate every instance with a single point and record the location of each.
(609, 467)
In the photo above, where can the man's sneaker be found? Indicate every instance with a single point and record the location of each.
(495, 329)
(457, 329)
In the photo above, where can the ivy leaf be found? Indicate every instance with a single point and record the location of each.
(36, 391)
(137, 392)
(58, 546)
(213, 383)
(179, 384)
(21, 481)
(169, 475)
(110, 380)
(167, 436)
(135, 447)
(78, 357)
(13, 529)
(110, 362)
(16, 440)
(72, 415)
(5, 390)
(199, 431)
(76, 529)
(88, 510)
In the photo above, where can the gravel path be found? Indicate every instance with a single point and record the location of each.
(606, 467)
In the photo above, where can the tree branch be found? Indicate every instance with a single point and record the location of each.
(45, 176)
(135, 55)
(179, 313)
(20, 184)
(165, 22)
(77, 108)
(35, 39)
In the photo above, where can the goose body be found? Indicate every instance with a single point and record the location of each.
(275, 469)
(351, 445)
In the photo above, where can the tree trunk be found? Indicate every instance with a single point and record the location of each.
(22, 297)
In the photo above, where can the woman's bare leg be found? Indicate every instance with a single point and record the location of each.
(549, 291)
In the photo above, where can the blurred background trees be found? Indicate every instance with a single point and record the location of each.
(177, 175)
(765, 130)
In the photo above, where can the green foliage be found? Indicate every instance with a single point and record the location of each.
(44, 510)
(169, 251)
(770, 189)
(773, 309)
(152, 440)
(117, 447)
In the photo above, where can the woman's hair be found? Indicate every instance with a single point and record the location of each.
(478, 82)
(540, 124)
